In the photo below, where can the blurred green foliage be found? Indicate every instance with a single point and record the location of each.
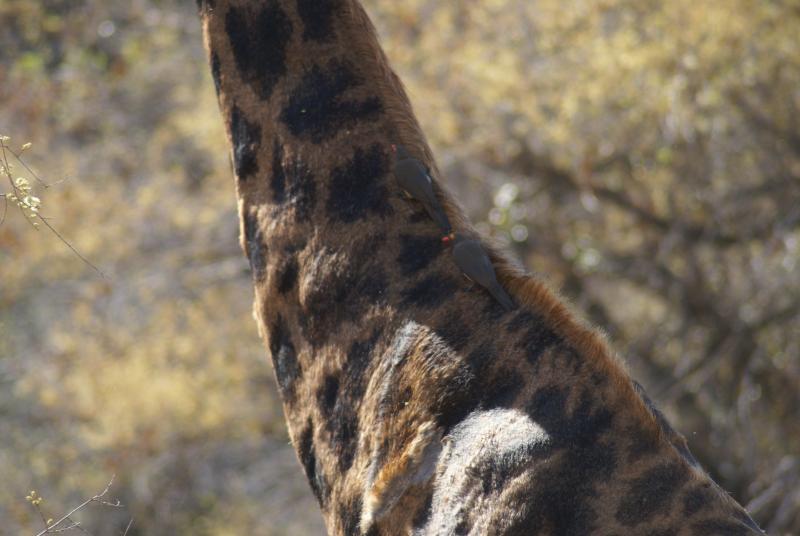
(643, 155)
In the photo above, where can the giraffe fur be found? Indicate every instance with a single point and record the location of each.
(416, 403)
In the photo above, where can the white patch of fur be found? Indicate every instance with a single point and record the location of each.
(480, 438)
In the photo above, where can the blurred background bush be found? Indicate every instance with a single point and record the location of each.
(642, 155)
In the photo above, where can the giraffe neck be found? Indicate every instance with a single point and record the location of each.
(312, 109)
(309, 75)
(413, 399)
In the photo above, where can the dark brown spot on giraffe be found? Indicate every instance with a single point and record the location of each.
(326, 397)
(537, 337)
(480, 356)
(370, 288)
(696, 499)
(548, 408)
(350, 514)
(358, 188)
(359, 356)
(317, 17)
(292, 182)
(500, 388)
(340, 409)
(284, 358)
(287, 274)
(246, 140)
(651, 494)
(259, 41)
(308, 459)
(343, 404)
(301, 188)
(215, 71)
(317, 109)
(340, 397)
(430, 292)
(255, 249)
(418, 252)
(343, 435)
(454, 332)
(640, 444)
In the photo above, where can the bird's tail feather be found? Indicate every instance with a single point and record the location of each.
(501, 296)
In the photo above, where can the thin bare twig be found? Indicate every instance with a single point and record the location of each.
(53, 527)
(32, 172)
(75, 251)
(22, 204)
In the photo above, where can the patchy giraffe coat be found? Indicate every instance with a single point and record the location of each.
(416, 403)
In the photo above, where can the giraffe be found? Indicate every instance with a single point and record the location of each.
(417, 403)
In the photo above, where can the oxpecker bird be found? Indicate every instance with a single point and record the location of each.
(471, 258)
(413, 178)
